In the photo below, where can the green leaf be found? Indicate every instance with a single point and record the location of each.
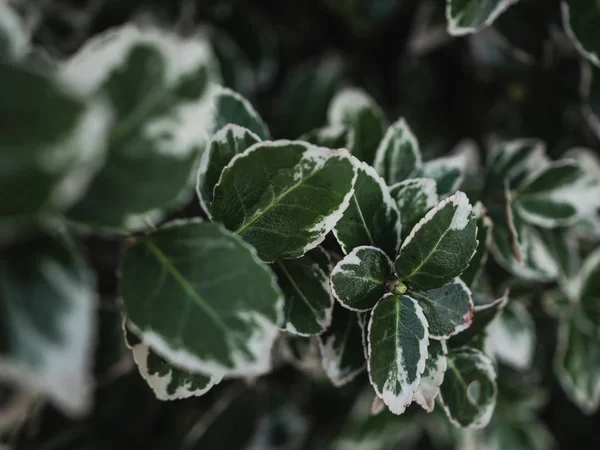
(519, 248)
(306, 94)
(511, 161)
(581, 19)
(230, 107)
(577, 362)
(470, 16)
(185, 300)
(449, 171)
(557, 195)
(468, 393)
(155, 84)
(433, 375)
(167, 381)
(511, 337)
(529, 434)
(54, 144)
(484, 236)
(414, 198)
(305, 285)
(14, 41)
(565, 251)
(398, 341)
(485, 310)
(342, 354)
(440, 246)
(331, 136)
(398, 156)
(372, 217)
(283, 197)
(302, 353)
(359, 280)
(448, 309)
(589, 288)
(224, 145)
(359, 112)
(47, 311)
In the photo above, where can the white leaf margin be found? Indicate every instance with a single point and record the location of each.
(456, 30)
(260, 348)
(398, 404)
(566, 18)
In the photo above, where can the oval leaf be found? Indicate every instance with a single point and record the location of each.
(372, 217)
(449, 172)
(355, 109)
(224, 145)
(398, 341)
(167, 381)
(511, 337)
(359, 280)
(230, 107)
(155, 83)
(577, 363)
(332, 136)
(305, 285)
(341, 347)
(47, 305)
(440, 246)
(398, 156)
(185, 300)
(283, 197)
(468, 393)
(414, 198)
(433, 375)
(448, 310)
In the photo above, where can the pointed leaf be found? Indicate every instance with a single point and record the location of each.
(589, 291)
(557, 195)
(433, 375)
(155, 83)
(224, 145)
(398, 156)
(398, 341)
(372, 217)
(470, 16)
(484, 236)
(184, 299)
(448, 310)
(341, 347)
(167, 381)
(305, 286)
(440, 246)
(359, 112)
(511, 337)
(468, 393)
(485, 310)
(283, 197)
(231, 107)
(47, 310)
(511, 161)
(414, 198)
(359, 280)
(581, 19)
(577, 362)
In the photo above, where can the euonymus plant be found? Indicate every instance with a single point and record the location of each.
(333, 242)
